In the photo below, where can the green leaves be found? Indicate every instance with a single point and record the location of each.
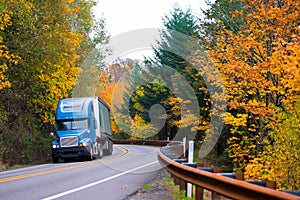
(42, 47)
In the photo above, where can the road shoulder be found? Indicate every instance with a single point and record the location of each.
(155, 189)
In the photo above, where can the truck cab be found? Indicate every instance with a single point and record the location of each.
(82, 128)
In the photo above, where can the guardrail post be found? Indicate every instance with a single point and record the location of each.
(239, 176)
(199, 193)
(182, 184)
(217, 170)
(189, 191)
(215, 196)
(176, 182)
(184, 143)
(271, 184)
(200, 165)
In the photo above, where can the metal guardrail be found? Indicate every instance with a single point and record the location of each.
(158, 143)
(218, 184)
(169, 157)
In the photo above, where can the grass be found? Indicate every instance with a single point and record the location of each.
(147, 186)
(176, 193)
(4, 167)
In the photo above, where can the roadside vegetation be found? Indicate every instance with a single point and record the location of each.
(255, 47)
(254, 44)
(176, 193)
(42, 46)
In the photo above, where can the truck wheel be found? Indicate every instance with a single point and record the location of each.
(95, 155)
(54, 159)
(100, 151)
(90, 157)
(108, 151)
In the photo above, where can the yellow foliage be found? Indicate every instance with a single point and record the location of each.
(255, 77)
(260, 65)
(241, 150)
(280, 160)
(239, 120)
(5, 56)
(140, 129)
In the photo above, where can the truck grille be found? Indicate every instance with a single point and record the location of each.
(69, 141)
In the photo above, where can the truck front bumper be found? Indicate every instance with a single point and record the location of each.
(70, 152)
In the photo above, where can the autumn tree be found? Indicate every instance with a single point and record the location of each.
(108, 79)
(50, 40)
(6, 57)
(173, 50)
(141, 104)
(280, 159)
(261, 69)
(219, 11)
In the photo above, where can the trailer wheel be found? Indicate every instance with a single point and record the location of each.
(109, 151)
(100, 151)
(95, 149)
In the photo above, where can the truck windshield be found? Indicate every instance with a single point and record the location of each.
(77, 124)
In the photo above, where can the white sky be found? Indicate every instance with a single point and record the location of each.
(127, 15)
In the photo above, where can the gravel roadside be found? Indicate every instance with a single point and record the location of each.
(156, 190)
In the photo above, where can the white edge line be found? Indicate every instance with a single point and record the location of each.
(96, 183)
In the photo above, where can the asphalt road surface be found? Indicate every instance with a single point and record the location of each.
(113, 177)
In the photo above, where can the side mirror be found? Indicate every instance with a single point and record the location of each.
(52, 134)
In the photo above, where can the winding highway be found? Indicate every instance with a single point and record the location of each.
(112, 177)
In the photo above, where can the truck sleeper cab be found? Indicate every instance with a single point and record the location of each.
(82, 128)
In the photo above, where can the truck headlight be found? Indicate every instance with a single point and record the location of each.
(85, 144)
(54, 146)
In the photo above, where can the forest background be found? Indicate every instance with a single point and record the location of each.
(254, 44)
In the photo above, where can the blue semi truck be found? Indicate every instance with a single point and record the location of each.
(82, 129)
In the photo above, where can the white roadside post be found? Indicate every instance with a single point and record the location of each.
(190, 160)
(184, 143)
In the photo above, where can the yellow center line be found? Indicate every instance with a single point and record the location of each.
(125, 152)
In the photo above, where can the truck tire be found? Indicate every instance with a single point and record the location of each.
(91, 156)
(100, 151)
(108, 151)
(54, 159)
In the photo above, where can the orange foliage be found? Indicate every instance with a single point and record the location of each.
(260, 63)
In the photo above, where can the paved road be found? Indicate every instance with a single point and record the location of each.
(112, 177)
